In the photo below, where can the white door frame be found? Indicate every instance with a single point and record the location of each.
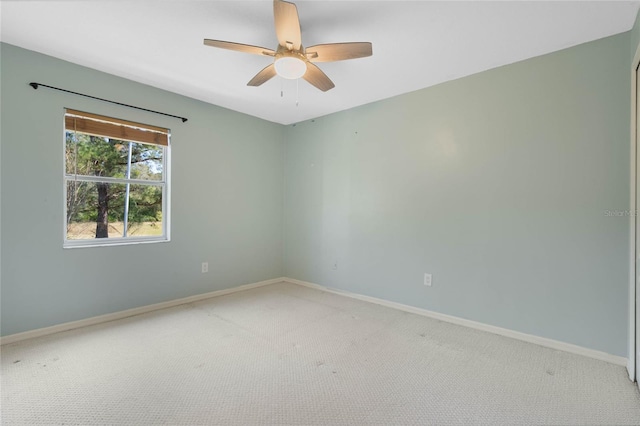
(634, 285)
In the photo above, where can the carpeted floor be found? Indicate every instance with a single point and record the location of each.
(289, 355)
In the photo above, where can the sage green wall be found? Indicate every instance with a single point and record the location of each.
(635, 45)
(226, 206)
(498, 184)
(635, 36)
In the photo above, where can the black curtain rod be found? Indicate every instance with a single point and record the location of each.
(36, 85)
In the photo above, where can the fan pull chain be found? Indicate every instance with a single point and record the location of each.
(297, 91)
(281, 88)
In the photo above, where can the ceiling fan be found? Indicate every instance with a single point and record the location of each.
(291, 59)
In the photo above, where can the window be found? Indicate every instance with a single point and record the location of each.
(116, 181)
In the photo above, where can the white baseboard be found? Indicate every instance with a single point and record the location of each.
(542, 341)
(128, 313)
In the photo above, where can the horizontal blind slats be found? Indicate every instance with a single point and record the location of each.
(98, 125)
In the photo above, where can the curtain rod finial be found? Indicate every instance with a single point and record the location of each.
(34, 85)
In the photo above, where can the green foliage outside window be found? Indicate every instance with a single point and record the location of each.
(96, 209)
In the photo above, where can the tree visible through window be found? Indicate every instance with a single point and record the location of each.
(116, 180)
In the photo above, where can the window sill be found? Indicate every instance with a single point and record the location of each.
(75, 244)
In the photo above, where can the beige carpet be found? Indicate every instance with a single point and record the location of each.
(288, 355)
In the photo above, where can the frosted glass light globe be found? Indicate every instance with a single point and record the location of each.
(290, 67)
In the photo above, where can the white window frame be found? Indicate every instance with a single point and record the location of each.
(117, 241)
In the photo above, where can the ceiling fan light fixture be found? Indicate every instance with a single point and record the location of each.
(290, 67)
(291, 60)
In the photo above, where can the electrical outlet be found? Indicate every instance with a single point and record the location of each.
(205, 267)
(427, 279)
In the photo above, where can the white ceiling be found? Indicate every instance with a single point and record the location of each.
(416, 44)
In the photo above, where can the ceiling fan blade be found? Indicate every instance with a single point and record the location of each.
(239, 47)
(287, 24)
(338, 51)
(315, 76)
(263, 76)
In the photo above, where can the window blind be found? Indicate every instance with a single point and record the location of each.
(98, 125)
